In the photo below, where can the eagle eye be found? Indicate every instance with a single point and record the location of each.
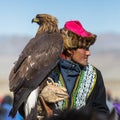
(37, 16)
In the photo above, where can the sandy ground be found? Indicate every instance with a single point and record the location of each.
(112, 86)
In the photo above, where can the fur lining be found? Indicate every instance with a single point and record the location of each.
(74, 41)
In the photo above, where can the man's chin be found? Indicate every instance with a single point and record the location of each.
(84, 64)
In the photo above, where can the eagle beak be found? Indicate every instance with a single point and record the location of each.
(35, 20)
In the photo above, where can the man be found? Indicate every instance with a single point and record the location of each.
(83, 81)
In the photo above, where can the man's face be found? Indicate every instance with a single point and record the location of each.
(80, 56)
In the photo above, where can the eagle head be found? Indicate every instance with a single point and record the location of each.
(47, 23)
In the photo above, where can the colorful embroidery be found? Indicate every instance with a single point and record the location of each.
(82, 90)
(86, 86)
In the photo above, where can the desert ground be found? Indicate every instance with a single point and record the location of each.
(112, 86)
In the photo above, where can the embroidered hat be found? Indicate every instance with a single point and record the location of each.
(75, 36)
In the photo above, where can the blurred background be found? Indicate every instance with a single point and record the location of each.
(99, 17)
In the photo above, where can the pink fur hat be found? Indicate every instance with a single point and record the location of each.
(76, 27)
(75, 36)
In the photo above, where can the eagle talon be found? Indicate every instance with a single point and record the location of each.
(51, 82)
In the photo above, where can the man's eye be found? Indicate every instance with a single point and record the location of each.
(87, 48)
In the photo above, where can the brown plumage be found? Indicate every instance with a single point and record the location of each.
(36, 61)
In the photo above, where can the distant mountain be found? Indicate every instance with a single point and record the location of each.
(105, 54)
(12, 45)
(107, 42)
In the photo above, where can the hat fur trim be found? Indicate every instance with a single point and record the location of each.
(73, 41)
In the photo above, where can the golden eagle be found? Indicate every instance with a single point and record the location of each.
(36, 61)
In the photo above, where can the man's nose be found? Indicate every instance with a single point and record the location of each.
(88, 52)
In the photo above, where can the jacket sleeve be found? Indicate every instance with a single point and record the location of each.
(97, 99)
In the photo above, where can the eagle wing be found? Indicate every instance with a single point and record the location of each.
(36, 61)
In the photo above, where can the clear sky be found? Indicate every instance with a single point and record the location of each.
(96, 15)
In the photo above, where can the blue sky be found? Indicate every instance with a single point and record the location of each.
(97, 16)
